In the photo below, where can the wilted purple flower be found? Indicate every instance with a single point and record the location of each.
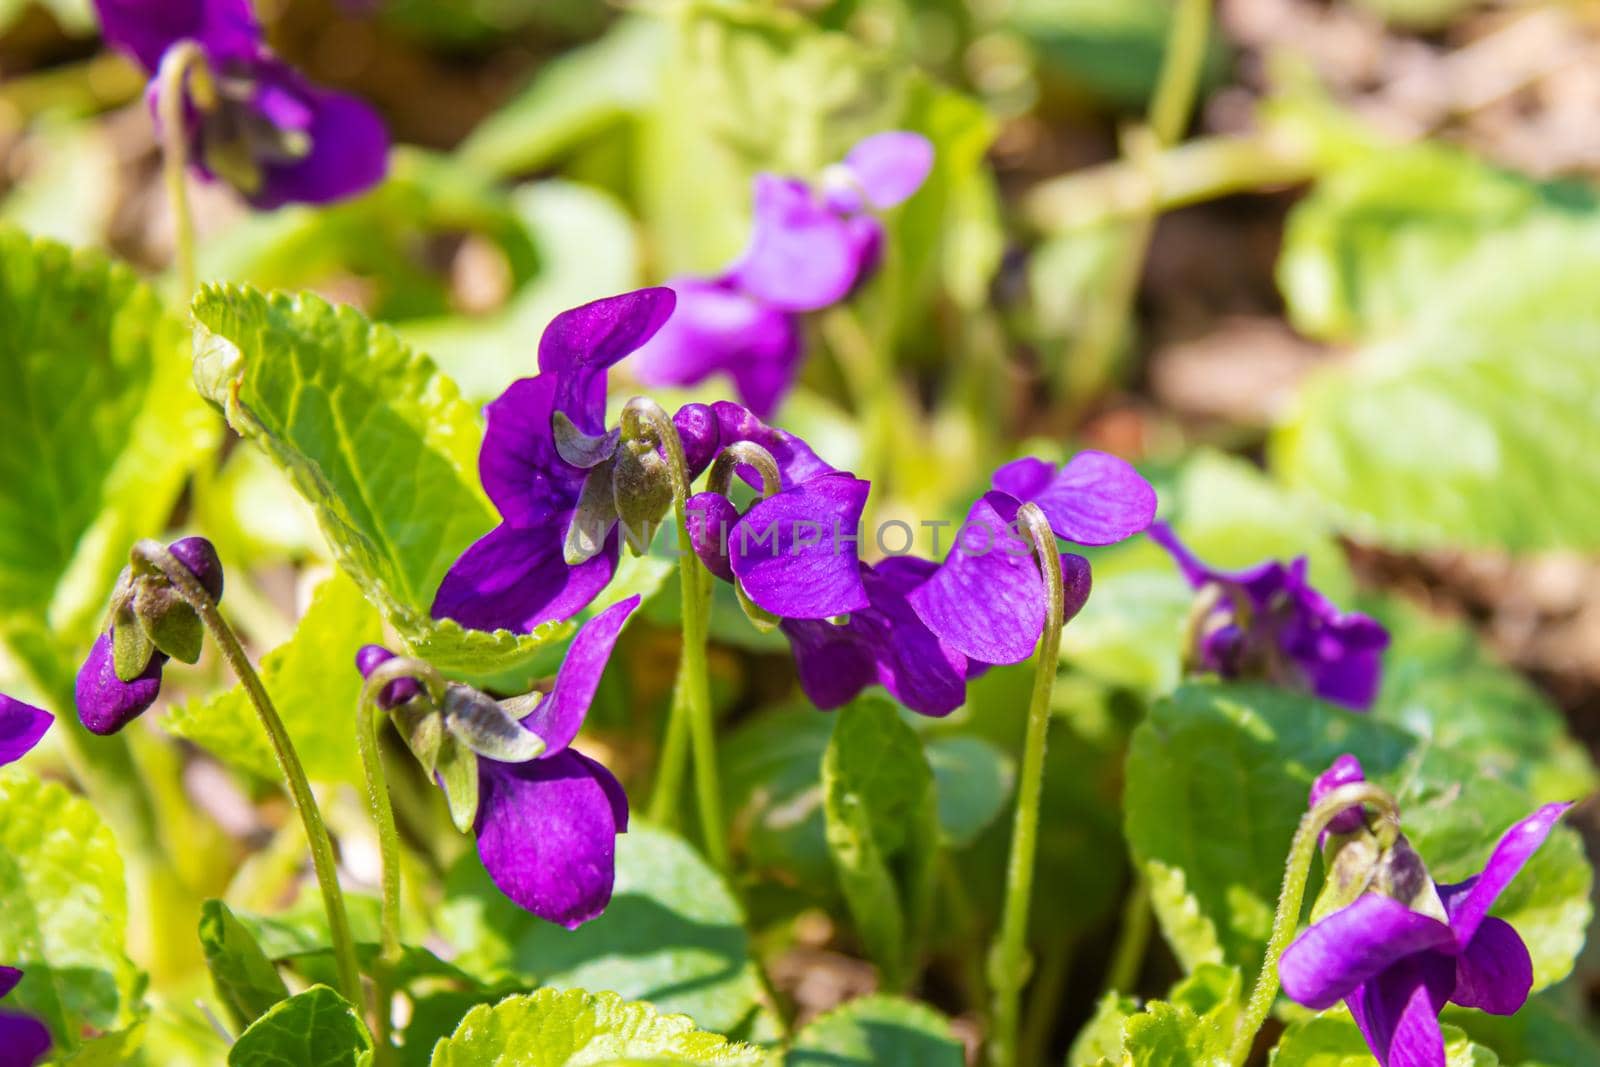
(105, 702)
(272, 135)
(547, 828)
(1269, 622)
(517, 576)
(809, 247)
(1396, 967)
(24, 1040)
(986, 601)
(21, 727)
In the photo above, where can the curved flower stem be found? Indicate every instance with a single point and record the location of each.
(1287, 918)
(1009, 962)
(184, 73)
(1132, 940)
(368, 715)
(188, 586)
(692, 694)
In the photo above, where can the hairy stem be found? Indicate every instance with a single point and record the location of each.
(183, 74)
(1290, 898)
(692, 695)
(1009, 962)
(188, 586)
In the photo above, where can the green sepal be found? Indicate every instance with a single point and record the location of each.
(578, 448)
(131, 646)
(762, 619)
(641, 485)
(457, 768)
(592, 519)
(421, 727)
(478, 722)
(168, 619)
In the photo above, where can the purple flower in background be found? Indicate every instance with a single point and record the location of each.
(21, 727)
(1269, 622)
(107, 703)
(1396, 967)
(809, 247)
(986, 601)
(547, 828)
(24, 1040)
(270, 133)
(518, 574)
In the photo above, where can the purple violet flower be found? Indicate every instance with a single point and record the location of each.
(986, 601)
(810, 246)
(1269, 621)
(547, 828)
(24, 1040)
(105, 702)
(21, 727)
(1396, 968)
(272, 134)
(517, 576)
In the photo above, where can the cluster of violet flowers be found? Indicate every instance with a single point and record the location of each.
(1395, 945)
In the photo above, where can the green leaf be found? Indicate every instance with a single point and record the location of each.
(314, 685)
(1499, 365)
(245, 979)
(877, 1031)
(974, 780)
(1375, 241)
(1333, 1040)
(65, 914)
(1544, 1031)
(772, 791)
(1100, 1040)
(673, 934)
(576, 1029)
(1441, 685)
(102, 430)
(344, 406)
(574, 98)
(878, 806)
(1217, 781)
(317, 1028)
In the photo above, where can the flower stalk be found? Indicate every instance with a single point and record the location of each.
(1009, 963)
(156, 555)
(1302, 850)
(692, 694)
(368, 715)
(184, 75)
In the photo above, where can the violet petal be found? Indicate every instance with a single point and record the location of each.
(144, 30)
(891, 166)
(711, 519)
(105, 702)
(1327, 962)
(24, 1040)
(21, 727)
(1494, 973)
(800, 256)
(1096, 499)
(1468, 902)
(546, 834)
(580, 344)
(559, 716)
(790, 553)
(1398, 1011)
(349, 145)
(516, 579)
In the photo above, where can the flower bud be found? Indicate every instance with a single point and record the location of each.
(200, 556)
(397, 692)
(701, 435)
(710, 519)
(641, 485)
(106, 703)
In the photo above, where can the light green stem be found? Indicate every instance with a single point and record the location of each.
(188, 586)
(368, 715)
(1009, 962)
(868, 372)
(1179, 80)
(184, 74)
(1290, 898)
(693, 690)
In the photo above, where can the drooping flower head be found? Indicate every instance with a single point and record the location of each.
(1270, 622)
(270, 133)
(810, 246)
(546, 826)
(547, 464)
(1396, 963)
(150, 624)
(986, 600)
(24, 1040)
